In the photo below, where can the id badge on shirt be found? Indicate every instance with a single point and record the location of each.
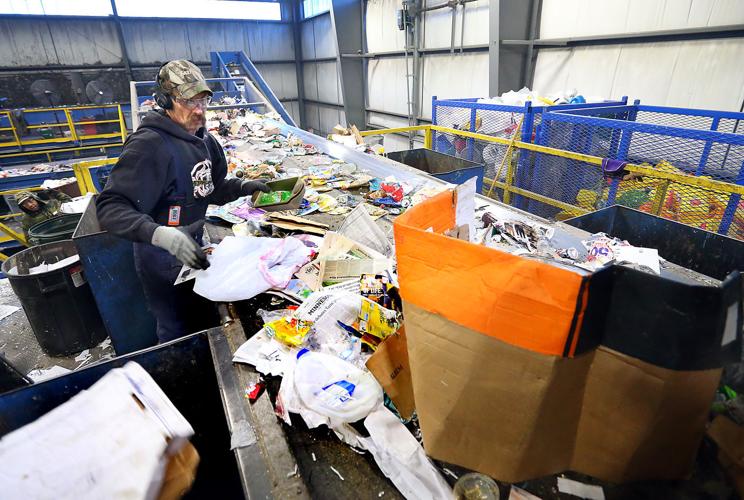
(174, 215)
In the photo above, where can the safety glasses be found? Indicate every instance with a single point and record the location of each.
(193, 103)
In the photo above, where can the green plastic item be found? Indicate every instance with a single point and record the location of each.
(273, 197)
(285, 194)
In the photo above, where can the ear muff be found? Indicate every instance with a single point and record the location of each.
(162, 98)
(165, 101)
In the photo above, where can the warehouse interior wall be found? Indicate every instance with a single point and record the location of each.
(57, 48)
(696, 73)
(446, 75)
(321, 78)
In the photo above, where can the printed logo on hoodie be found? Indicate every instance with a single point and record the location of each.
(201, 177)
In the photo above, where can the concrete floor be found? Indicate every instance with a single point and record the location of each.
(19, 346)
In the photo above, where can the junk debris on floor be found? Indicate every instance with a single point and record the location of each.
(446, 337)
(341, 352)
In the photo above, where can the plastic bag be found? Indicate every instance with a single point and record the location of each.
(242, 268)
(334, 388)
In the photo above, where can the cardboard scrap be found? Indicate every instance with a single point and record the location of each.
(294, 223)
(180, 473)
(389, 365)
(730, 440)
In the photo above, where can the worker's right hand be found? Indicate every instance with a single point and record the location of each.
(179, 243)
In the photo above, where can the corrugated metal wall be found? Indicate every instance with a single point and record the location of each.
(35, 43)
(40, 43)
(697, 74)
(321, 79)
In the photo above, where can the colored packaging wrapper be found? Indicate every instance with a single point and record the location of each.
(273, 197)
(289, 330)
(376, 320)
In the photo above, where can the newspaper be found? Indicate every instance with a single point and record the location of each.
(342, 259)
(360, 227)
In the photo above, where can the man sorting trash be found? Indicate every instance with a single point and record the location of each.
(39, 207)
(169, 170)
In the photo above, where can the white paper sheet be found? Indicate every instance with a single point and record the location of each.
(102, 443)
(465, 209)
(263, 352)
(580, 490)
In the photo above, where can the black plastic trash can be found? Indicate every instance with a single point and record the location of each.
(58, 302)
(57, 228)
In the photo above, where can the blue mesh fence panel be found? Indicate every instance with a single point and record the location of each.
(669, 142)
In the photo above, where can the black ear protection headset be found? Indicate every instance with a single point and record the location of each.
(162, 98)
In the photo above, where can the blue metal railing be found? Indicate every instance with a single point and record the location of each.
(221, 62)
(500, 119)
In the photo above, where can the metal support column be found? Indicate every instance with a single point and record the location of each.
(494, 46)
(346, 20)
(122, 43)
(296, 31)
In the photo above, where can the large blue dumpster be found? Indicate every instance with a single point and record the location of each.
(108, 263)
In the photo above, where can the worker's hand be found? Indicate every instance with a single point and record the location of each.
(179, 242)
(247, 188)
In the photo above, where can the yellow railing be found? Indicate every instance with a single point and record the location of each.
(509, 188)
(82, 173)
(70, 130)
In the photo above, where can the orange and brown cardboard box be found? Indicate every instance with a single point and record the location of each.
(499, 384)
(389, 364)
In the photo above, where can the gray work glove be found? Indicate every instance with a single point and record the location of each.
(247, 188)
(179, 243)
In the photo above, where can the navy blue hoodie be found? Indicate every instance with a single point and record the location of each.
(164, 176)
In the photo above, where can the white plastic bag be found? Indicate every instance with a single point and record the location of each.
(335, 388)
(241, 268)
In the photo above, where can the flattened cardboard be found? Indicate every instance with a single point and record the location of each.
(389, 364)
(490, 406)
(294, 223)
(641, 421)
(515, 414)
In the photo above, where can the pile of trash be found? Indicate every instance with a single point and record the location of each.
(341, 314)
(256, 149)
(524, 95)
(41, 168)
(520, 237)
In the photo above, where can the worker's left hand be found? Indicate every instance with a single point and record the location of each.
(247, 188)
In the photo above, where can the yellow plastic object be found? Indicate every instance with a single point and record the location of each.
(289, 330)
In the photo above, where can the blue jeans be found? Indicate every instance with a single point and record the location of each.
(177, 309)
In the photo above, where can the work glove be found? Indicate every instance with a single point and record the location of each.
(247, 188)
(179, 243)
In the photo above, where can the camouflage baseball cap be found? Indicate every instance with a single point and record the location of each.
(23, 196)
(183, 78)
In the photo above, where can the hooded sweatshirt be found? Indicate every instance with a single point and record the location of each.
(164, 176)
